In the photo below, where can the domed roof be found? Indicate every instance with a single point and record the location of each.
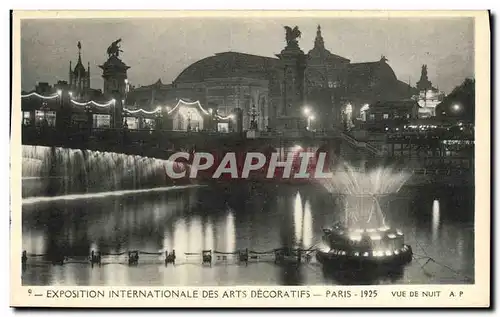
(376, 80)
(372, 70)
(228, 64)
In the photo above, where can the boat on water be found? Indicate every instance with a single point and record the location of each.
(346, 246)
(363, 239)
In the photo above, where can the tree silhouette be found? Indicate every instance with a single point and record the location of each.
(460, 104)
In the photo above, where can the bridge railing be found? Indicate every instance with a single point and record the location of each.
(104, 133)
(431, 135)
(420, 171)
(360, 144)
(160, 138)
(295, 133)
(321, 134)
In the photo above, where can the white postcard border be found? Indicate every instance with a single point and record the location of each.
(477, 295)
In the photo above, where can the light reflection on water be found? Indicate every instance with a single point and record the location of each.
(227, 220)
(230, 233)
(435, 220)
(297, 218)
(307, 227)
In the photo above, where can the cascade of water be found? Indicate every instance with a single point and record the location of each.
(72, 171)
(35, 161)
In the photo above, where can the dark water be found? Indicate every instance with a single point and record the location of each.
(437, 222)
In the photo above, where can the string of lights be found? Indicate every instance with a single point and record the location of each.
(102, 105)
(131, 111)
(224, 118)
(158, 109)
(40, 96)
(182, 102)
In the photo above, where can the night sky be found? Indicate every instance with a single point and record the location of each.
(162, 48)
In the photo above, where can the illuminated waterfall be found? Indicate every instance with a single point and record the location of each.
(61, 171)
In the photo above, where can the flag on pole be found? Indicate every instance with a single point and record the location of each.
(79, 45)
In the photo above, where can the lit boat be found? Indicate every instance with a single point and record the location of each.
(363, 237)
(366, 246)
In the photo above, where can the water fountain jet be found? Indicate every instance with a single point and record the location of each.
(362, 236)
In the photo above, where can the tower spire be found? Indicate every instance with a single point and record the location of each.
(70, 74)
(318, 42)
(88, 75)
(79, 45)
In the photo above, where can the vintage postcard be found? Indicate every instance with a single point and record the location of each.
(250, 159)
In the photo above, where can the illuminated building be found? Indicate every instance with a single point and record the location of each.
(382, 116)
(239, 84)
(224, 82)
(428, 97)
(231, 92)
(75, 103)
(40, 107)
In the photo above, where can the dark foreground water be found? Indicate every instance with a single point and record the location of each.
(437, 222)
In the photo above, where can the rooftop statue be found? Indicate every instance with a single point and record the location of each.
(424, 71)
(292, 35)
(114, 48)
